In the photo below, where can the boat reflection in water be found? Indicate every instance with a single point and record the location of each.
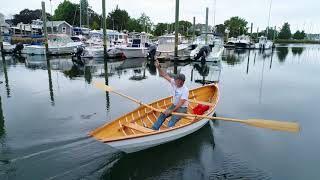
(207, 73)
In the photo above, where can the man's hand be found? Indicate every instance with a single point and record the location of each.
(157, 64)
(167, 112)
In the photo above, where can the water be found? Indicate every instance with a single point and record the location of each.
(45, 116)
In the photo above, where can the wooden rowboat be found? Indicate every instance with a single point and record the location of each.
(131, 132)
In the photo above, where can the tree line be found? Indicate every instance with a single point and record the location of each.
(119, 19)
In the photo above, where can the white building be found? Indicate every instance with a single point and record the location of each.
(59, 27)
(34, 28)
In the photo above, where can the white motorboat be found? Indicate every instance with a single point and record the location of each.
(165, 49)
(202, 44)
(211, 49)
(231, 42)
(264, 43)
(217, 50)
(94, 48)
(138, 48)
(8, 48)
(59, 44)
(243, 42)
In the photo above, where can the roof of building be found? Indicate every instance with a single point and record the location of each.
(56, 23)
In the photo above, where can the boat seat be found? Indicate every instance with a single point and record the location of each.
(200, 102)
(137, 128)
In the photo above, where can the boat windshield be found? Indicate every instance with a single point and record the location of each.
(61, 39)
(262, 39)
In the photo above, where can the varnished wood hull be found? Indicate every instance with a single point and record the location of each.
(138, 136)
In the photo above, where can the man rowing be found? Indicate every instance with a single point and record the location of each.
(180, 99)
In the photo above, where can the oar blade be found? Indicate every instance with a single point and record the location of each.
(274, 125)
(102, 86)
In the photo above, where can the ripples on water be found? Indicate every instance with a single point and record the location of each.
(46, 111)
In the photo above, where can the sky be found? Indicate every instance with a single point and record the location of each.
(301, 15)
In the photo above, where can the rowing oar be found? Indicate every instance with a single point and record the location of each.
(261, 123)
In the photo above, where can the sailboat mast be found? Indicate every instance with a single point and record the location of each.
(80, 16)
(269, 18)
(51, 19)
(214, 13)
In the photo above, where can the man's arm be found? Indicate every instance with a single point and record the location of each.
(162, 72)
(180, 103)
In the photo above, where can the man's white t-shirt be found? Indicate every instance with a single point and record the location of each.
(180, 93)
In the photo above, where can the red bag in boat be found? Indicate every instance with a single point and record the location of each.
(200, 109)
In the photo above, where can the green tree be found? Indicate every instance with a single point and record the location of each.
(236, 26)
(26, 16)
(285, 32)
(299, 35)
(95, 25)
(271, 33)
(134, 25)
(118, 19)
(220, 28)
(145, 22)
(160, 29)
(68, 12)
(184, 26)
(84, 11)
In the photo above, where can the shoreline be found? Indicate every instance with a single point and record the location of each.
(283, 41)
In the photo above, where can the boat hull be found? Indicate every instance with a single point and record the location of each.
(142, 143)
(131, 52)
(263, 46)
(241, 45)
(69, 48)
(167, 53)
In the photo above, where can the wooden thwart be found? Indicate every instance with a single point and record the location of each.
(137, 128)
(200, 102)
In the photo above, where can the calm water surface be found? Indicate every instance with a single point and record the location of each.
(47, 110)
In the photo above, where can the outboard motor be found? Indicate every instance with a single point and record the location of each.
(193, 47)
(18, 48)
(78, 53)
(152, 52)
(202, 53)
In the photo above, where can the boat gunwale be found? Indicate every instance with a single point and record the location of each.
(109, 140)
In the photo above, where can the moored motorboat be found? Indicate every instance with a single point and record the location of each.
(58, 44)
(8, 48)
(264, 43)
(230, 43)
(131, 132)
(244, 42)
(165, 49)
(138, 47)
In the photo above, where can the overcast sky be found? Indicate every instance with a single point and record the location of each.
(300, 14)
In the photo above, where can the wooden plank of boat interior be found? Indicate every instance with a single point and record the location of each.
(122, 129)
(148, 116)
(132, 116)
(128, 123)
(144, 124)
(138, 128)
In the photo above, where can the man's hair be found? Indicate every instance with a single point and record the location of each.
(180, 76)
